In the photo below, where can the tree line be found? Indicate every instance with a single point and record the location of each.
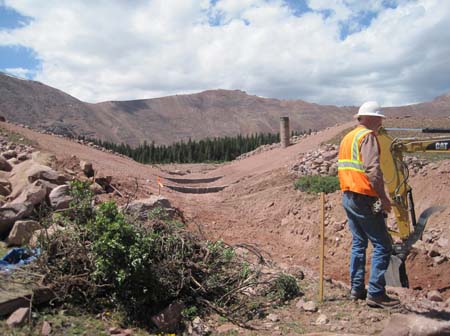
(216, 149)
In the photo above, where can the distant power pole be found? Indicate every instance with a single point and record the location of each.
(284, 132)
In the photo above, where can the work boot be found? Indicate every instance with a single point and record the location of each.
(382, 301)
(358, 294)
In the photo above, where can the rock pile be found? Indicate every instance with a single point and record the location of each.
(27, 182)
(322, 161)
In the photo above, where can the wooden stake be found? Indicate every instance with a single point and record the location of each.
(322, 244)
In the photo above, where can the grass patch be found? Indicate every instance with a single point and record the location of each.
(16, 137)
(69, 321)
(3, 249)
(316, 184)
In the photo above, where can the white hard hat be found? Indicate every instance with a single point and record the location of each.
(370, 108)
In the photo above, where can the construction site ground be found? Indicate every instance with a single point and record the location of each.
(260, 206)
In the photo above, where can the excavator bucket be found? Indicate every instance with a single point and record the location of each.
(396, 273)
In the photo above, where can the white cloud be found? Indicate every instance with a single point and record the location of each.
(19, 72)
(117, 50)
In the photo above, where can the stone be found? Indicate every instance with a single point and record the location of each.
(140, 208)
(5, 187)
(33, 194)
(19, 317)
(46, 329)
(310, 306)
(47, 233)
(169, 318)
(415, 325)
(198, 327)
(22, 232)
(96, 188)
(115, 330)
(60, 197)
(435, 296)
(273, 317)
(43, 158)
(28, 172)
(338, 227)
(40, 172)
(23, 156)
(5, 165)
(300, 304)
(9, 213)
(9, 154)
(433, 252)
(322, 319)
(87, 168)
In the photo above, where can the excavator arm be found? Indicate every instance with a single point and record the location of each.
(396, 176)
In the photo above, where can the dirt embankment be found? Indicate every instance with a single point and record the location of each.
(260, 206)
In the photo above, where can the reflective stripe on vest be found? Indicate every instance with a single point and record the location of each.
(355, 162)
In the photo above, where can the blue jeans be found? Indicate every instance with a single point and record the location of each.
(365, 226)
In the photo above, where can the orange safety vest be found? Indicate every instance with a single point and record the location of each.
(352, 176)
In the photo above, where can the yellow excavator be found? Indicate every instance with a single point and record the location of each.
(396, 175)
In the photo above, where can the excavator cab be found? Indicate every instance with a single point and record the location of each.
(396, 175)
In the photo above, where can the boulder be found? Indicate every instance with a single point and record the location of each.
(48, 232)
(168, 320)
(29, 171)
(87, 168)
(46, 329)
(415, 325)
(96, 188)
(435, 296)
(34, 193)
(22, 232)
(5, 187)
(140, 208)
(310, 306)
(43, 158)
(18, 318)
(11, 212)
(4, 164)
(60, 197)
(23, 156)
(9, 154)
(40, 172)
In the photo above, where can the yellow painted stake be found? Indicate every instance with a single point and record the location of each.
(322, 244)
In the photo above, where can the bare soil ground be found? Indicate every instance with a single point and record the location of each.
(259, 206)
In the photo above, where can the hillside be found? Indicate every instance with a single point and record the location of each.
(169, 119)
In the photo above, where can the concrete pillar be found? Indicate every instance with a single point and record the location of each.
(285, 133)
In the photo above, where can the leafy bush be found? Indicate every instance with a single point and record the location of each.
(316, 184)
(285, 287)
(102, 258)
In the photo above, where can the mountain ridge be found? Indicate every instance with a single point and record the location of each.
(165, 120)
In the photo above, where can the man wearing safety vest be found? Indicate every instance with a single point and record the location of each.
(362, 184)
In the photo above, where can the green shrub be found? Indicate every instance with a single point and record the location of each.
(285, 287)
(104, 259)
(316, 184)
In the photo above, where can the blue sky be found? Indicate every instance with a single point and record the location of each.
(325, 51)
